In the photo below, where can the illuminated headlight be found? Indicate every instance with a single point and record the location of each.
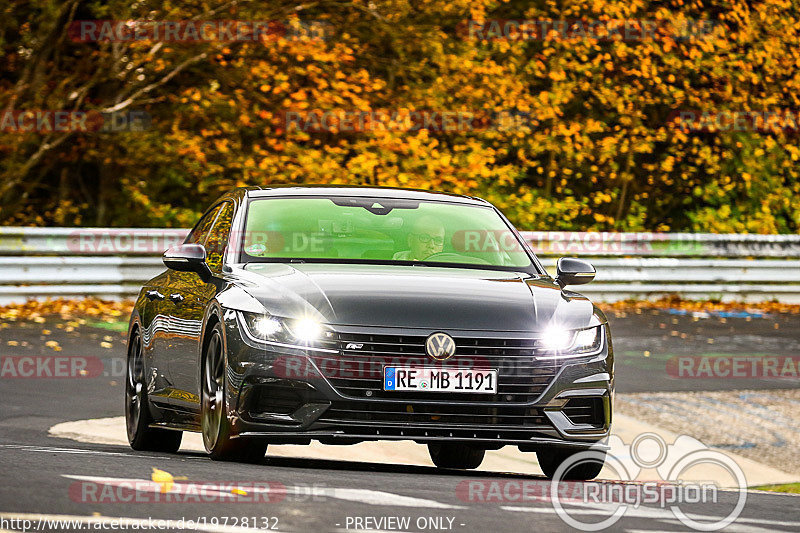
(304, 329)
(288, 331)
(266, 327)
(560, 342)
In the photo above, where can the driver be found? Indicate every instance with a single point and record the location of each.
(426, 239)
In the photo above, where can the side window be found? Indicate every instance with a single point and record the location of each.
(218, 237)
(198, 234)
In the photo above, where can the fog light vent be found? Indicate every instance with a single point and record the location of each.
(585, 411)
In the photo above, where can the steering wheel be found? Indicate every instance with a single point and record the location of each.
(450, 257)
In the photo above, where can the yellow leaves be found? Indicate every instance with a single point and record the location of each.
(74, 311)
(53, 345)
(601, 197)
(163, 478)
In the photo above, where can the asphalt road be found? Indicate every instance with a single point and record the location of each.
(48, 476)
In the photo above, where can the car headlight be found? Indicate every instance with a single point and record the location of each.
(562, 342)
(299, 331)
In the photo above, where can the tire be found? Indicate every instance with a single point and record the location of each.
(455, 455)
(141, 436)
(550, 460)
(218, 437)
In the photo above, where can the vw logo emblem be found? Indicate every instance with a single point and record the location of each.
(440, 346)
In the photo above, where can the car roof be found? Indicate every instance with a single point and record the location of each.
(369, 192)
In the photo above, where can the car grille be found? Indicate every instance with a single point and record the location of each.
(357, 371)
(441, 415)
(424, 421)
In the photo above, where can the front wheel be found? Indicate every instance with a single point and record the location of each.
(455, 455)
(583, 468)
(217, 434)
(141, 436)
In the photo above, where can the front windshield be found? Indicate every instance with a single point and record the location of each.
(361, 229)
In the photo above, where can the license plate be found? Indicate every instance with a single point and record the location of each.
(424, 379)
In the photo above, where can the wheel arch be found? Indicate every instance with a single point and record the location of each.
(212, 317)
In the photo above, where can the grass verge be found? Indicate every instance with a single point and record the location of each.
(793, 488)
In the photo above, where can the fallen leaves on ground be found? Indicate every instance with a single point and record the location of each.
(674, 302)
(74, 310)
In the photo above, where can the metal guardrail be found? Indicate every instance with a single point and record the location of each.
(663, 244)
(114, 262)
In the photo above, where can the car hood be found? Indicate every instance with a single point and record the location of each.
(411, 296)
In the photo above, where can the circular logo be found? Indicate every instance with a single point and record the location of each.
(440, 346)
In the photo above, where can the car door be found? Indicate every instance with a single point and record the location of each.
(155, 334)
(192, 296)
(177, 314)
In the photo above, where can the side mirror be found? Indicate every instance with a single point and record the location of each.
(571, 271)
(188, 258)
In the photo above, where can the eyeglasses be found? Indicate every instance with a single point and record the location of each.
(424, 238)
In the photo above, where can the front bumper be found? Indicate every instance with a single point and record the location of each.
(571, 406)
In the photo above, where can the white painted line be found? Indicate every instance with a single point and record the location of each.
(377, 497)
(121, 522)
(82, 451)
(650, 512)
